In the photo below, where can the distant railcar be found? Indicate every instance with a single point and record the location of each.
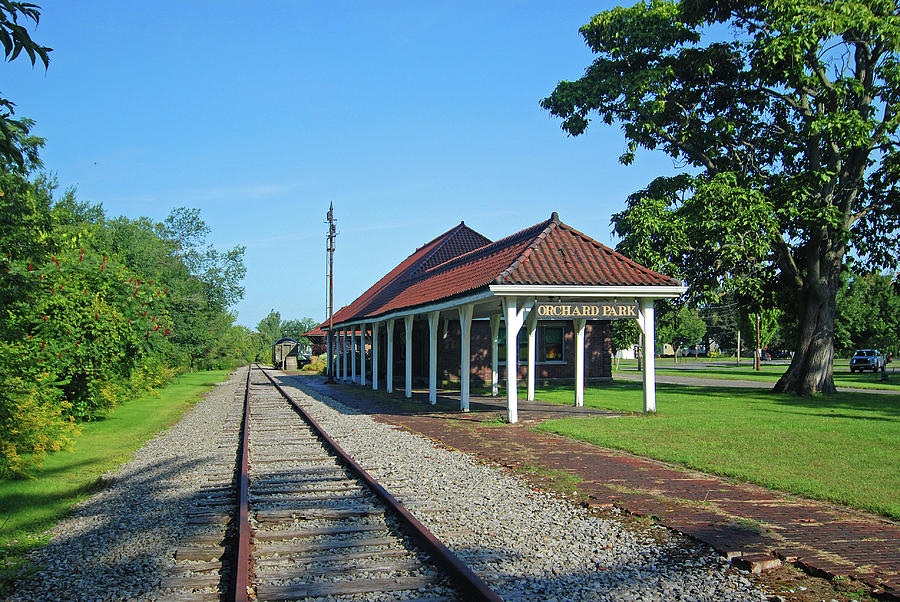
(285, 353)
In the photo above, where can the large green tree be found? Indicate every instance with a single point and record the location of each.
(204, 283)
(783, 115)
(868, 314)
(680, 327)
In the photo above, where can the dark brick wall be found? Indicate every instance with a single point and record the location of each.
(598, 353)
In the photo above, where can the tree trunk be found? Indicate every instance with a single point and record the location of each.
(812, 367)
(758, 361)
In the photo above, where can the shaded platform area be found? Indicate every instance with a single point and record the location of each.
(482, 408)
(736, 519)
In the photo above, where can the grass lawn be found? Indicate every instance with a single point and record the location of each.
(843, 448)
(31, 505)
(771, 372)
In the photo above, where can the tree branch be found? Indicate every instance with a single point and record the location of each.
(787, 260)
(692, 151)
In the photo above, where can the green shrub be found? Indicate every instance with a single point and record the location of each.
(33, 413)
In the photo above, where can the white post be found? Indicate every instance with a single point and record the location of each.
(408, 323)
(647, 318)
(433, 317)
(362, 354)
(514, 320)
(578, 324)
(375, 326)
(465, 359)
(352, 354)
(495, 372)
(739, 347)
(343, 355)
(389, 385)
(531, 325)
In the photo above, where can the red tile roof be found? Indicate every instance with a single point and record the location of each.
(456, 241)
(461, 261)
(318, 331)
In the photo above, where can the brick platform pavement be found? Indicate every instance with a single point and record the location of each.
(734, 518)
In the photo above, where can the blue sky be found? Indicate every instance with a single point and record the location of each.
(408, 116)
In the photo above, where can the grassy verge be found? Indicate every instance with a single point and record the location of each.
(30, 506)
(842, 448)
(771, 373)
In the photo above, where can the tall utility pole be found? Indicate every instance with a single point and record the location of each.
(329, 238)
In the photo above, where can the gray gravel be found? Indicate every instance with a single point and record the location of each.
(526, 544)
(119, 543)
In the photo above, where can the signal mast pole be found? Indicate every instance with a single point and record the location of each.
(332, 233)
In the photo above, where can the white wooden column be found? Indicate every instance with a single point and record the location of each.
(578, 324)
(343, 355)
(465, 354)
(531, 326)
(362, 354)
(375, 326)
(352, 354)
(514, 319)
(646, 322)
(433, 317)
(408, 323)
(495, 372)
(389, 377)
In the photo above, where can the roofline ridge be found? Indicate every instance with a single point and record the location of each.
(551, 225)
(375, 289)
(479, 249)
(447, 236)
(436, 238)
(631, 261)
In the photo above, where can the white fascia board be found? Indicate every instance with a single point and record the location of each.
(422, 309)
(552, 290)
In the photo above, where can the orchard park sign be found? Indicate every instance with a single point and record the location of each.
(610, 310)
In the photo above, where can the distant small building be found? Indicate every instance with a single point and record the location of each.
(316, 337)
(285, 354)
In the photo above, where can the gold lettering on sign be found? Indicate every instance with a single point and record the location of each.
(610, 310)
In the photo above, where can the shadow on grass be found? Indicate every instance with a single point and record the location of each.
(887, 406)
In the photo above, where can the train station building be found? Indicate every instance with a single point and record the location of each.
(449, 311)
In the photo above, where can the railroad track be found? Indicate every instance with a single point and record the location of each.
(307, 521)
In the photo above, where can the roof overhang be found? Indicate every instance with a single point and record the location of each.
(567, 290)
(496, 291)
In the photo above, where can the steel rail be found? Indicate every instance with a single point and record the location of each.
(240, 585)
(471, 584)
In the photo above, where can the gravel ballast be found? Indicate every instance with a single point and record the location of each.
(526, 544)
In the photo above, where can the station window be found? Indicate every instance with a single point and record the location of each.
(523, 346)
(550, 347)
(550, 344)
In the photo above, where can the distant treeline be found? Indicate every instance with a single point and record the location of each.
(95, 309)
